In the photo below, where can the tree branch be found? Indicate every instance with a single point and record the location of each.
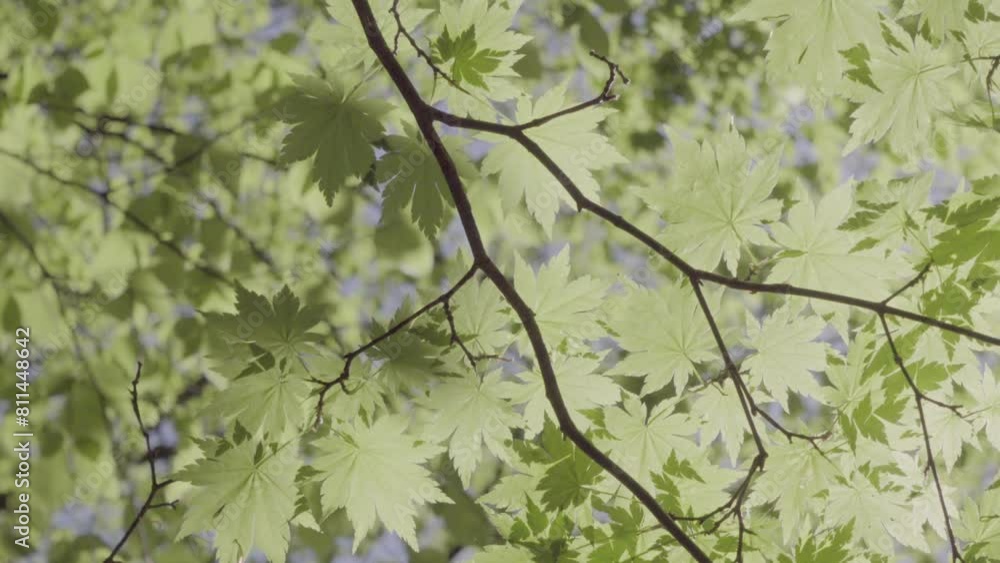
(345, 374)
(956, 555)
(586, 204)
(425, 122)
(156, 485)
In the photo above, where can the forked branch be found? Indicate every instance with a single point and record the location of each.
(345, 373)
(425, 122)
(956, 554)
(155, 484)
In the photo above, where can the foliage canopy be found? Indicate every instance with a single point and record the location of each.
(493, 281)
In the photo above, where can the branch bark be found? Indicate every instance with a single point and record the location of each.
(155, 484)
(425, 122)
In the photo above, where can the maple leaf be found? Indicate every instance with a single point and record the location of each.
(346, 42)
(910, 75)
(949, 433)
(270, 401)
(470, 413)
(988, 399)
(941, 16)
(569, 473)
(478, 49)
(723, 416)
(247, 496)
(666, 335)
(336, 126)
(715, 205)
(467, 62)
(874, 511)
(480, 317)
(376, 472)
(786, 353)
(572, 143)
(563, 307)
(581, 386)
(812, 33)
(818, 255)
(415, 181)
(795, 481)
(645, 438)
(281, 326)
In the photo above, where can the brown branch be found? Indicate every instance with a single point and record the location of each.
(455, 339)
(345, 373)
(813, 439)
(401, 30)
(156, 485)
(425, 122)
(104, 119)
(749, 408)
(605, 95)
(989, 86)
(921, 275)
(586, 204)
(956, 555)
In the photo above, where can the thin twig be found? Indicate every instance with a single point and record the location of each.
(909, 284)
(156, 485)
(584, 203)
(455, 339)
(345, 374)
(956, 555)
(401, 29)
(749, 408)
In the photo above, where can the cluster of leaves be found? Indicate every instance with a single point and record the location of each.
(233, 197)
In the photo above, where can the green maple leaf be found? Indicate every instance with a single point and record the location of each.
(646, 439)
(812, 33)
(334, 127)
(478, 50)
(941, 16)
(562, 307)
(376, 472)
(973, 233)
(468, 63)
(414, 180)
(832, 548)
(979, 524)
(567, 481)
(818, 255)
(715, 205)
(910, 75)
(951, 432)
(347, 44)
(873, 511)
(988, 404)
(582, 388)
(470, 413)
(571, 141)
(795, 481)
(722, 416)
(666, 335)
(786, 353)
(270, 401)
(480, 317)
(280, 326)
(247, 496)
